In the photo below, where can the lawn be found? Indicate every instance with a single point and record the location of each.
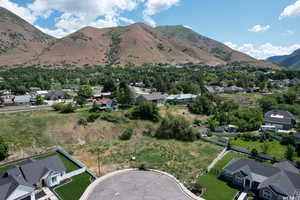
(215, 189)
(74, 189)
(275, 148)
(184, 160)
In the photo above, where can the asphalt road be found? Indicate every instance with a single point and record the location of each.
(22, 109)
(138, 185)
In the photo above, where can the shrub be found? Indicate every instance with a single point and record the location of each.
(127, 134)
(145, 111)
(93, 117)
(68, 108)
(82, 122)
(3, 149)
(143, 166)
(176, 127)
(57, 107)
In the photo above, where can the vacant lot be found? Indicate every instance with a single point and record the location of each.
(184, 160)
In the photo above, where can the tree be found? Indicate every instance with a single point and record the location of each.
(109, 86)
(124, 95)
(202, 105)
(290, 153)
(3, 149)
(39, 100)
(174, 91)
(80, 100)
(267, 103)
(145, 111)
(175, 127)
(85, 91)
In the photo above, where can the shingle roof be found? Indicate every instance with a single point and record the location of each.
(283, 178)
(28, 174)
(279, 116)
(181, 96)
(154, 96)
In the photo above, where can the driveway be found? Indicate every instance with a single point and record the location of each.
(137, 185)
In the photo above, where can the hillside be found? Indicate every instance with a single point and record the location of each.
(22, 43)
(290, 61)
(217, 49)
(137, 43)
(19, 40)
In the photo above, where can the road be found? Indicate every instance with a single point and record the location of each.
(137, 185)
(23, 109)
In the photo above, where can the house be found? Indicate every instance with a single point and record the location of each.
(181, 98)
(34, 89)
(23, 100)
(281, 119)
(106, 104)
(214, 89)
(271, 182)
(156, 98)
(101, 95)
(57, 95)
(297, 138)
(233, 90)
(219, 129)
(21, 181)
(202, 130)
(41, 92)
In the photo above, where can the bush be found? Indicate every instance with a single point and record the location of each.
(57, 107)
(176, 127)
(127, 134)
(3, 149)
(82, 122)
(92, 118)
(145, 111)
(143, 166)
(68, 108)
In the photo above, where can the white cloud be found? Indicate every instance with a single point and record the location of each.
(78, 14)
(292, 10)
(265, 50)
(259, 28)
(156, 6)
(25, 13)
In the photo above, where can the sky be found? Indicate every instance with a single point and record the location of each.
(260, 28)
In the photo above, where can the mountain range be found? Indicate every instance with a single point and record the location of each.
(291, 61)
(22, 43)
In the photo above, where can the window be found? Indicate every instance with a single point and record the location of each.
(54, 179)
(267, 194)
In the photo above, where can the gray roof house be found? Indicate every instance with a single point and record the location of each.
(277, 181)
(21, 181)
(22, 100)
(56, 95)
(280, 118)
(156, 98)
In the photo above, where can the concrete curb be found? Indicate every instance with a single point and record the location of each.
(92, 186)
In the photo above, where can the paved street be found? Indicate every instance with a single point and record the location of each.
(138, 185)
(22, 109)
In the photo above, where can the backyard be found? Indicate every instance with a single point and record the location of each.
(214, 188)
(75, 188)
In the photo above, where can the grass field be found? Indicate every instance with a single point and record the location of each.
(214, 188)
(184, 160)
(74, 189)
(275, 148)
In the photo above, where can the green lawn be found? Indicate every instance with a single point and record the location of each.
(275, 148)
(74, 189)
(215, 189)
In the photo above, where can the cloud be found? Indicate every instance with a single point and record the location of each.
(265, 50)
(78, 14)
(259, 28)
(25, 13)
(292, 10)
(156, 6)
